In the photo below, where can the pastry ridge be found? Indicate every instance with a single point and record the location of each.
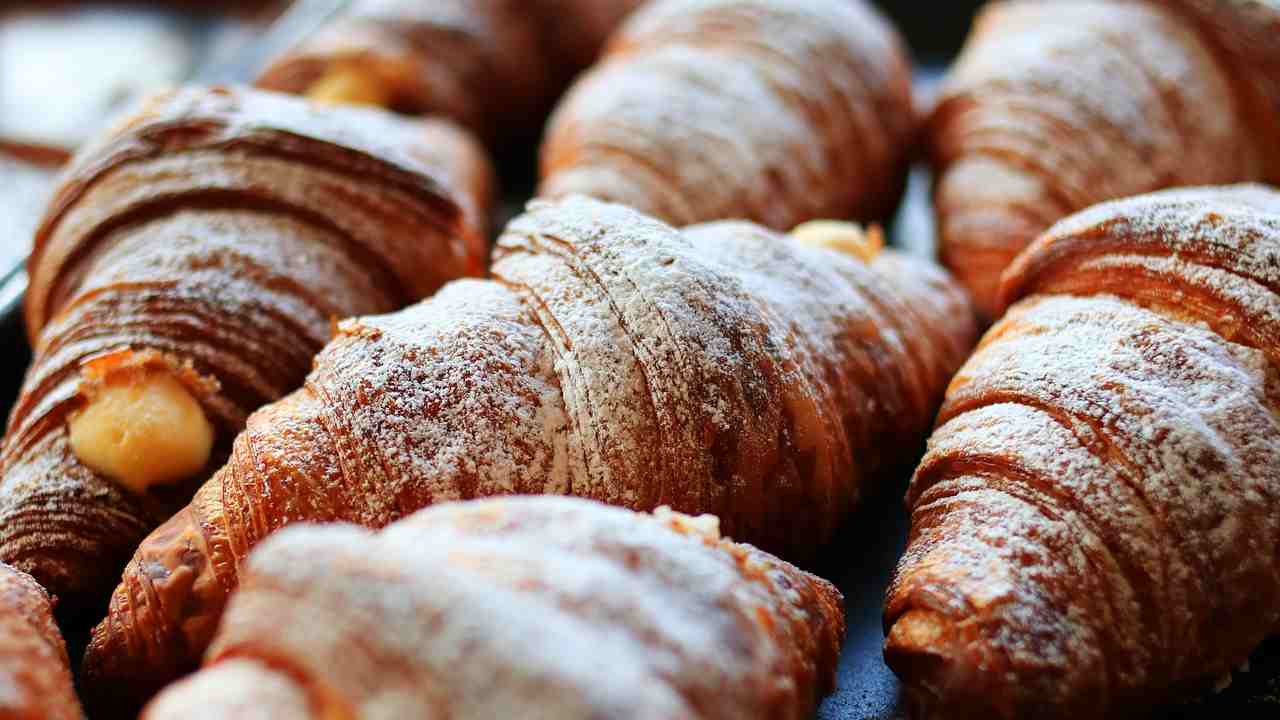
(1056, 106)
(34, 670)
(1092, 525)
(537, 606)
(724, 369)
(705, 110)
(493, 66)
(214, 235)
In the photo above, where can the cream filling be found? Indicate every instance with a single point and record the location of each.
(142, 428)
(846, 237)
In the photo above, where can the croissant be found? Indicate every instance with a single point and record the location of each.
(495, 66)
(1093, 527)
(726, 370)
(1056, 106)
(188, 269)
(35, 674)
(532, 607)
(777, 111)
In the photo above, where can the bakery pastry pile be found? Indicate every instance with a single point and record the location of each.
(197, 255)
(725, 369)
(367, 467)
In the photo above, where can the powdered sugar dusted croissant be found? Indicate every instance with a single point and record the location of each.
(1094, 527)
(493, 65)
(519, 607)
(35, 676)
(727, 369)
(1055, 106)
(777, 111)
(188, 269)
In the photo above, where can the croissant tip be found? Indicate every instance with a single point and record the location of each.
(114, 681)
(926, 651)
(144, 641)
(105, 645)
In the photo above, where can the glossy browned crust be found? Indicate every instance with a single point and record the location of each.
(220, 233)
(520, 607)
(725, 370)
(776, 111)
(1094, 526)
(1056, 106)
(34, 671)
(494, 66)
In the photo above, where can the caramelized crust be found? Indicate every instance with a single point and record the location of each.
(519, 607)
(728, 370)
(1093, 527)
(215, 235)
(495, 66)
(1055, 106)
(35, 676)
(777, 111)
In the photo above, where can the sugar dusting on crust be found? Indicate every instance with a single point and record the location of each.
(494, 66)
(708, 109)
(1234, 226)
(723, 370)
(513, 606)
(224, 229)
(746, 354)
(1208, 255)
(1109, 457)
(35, 675)
(1054, 107)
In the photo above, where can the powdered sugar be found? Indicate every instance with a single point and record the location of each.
(225, 228)
(727, 370)
(709, 110)
(1083, 102)
(1109, 455)
(512, 606)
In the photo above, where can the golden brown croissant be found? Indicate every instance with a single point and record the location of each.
(777, 111)
(724, 370)
(35, 675)
(531, 607)
(1056, 106)
(1094, 527)
(494, 66)
(188, 269)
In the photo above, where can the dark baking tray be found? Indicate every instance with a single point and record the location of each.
(862, 558)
